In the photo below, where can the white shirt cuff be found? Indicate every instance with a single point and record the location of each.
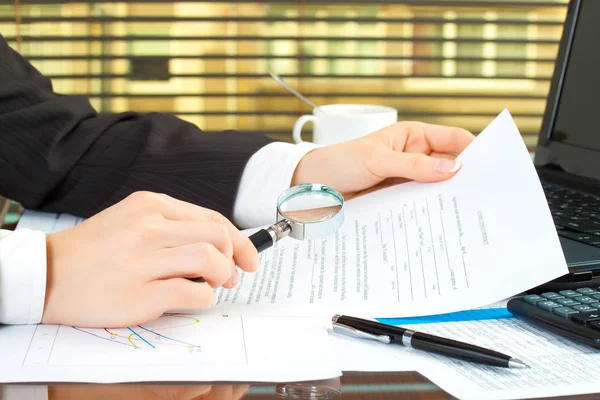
(268, 173)
(22, 276)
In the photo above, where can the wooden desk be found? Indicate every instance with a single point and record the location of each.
(354, 386)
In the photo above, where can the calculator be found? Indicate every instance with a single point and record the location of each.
(571, 313)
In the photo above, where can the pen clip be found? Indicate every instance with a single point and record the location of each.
(353, 332)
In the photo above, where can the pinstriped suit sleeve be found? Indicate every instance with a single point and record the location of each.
(58, 154)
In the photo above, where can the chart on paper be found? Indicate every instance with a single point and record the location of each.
(179, 338)
(421, 241)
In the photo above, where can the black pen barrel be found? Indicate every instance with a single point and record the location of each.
(453, 348)
(371, 326)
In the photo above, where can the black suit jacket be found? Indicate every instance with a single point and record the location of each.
(57, 154)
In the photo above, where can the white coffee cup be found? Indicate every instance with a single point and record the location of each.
(335, 123)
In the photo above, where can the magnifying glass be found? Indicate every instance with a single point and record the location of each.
(306, 211)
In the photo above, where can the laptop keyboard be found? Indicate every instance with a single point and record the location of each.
(576, 215)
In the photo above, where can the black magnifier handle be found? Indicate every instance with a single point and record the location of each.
(264, 239)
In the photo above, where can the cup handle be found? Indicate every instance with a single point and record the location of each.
(297, 133)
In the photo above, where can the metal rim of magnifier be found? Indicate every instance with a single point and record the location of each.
(311, 230)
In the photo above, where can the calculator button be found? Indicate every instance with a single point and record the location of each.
(586, 290)
(533, 298)
(568, 302)
(595, 305)
(595, 296)
(584, 308)
(549, 305)
(586, 317)
(564, 311)
(586, 300)
(569, 293)
(552, 295)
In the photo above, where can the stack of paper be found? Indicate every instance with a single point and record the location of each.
(419, 249)
(413, 249)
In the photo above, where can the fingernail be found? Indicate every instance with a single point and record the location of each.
(255, 263)
(444, 165)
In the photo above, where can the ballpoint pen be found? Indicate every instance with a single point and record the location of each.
(365, 329)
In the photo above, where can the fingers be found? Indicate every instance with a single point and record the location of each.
(182, 233)
(244, 253)
(443, 155)
(415, 166)
(233, 281)
(179, 293)
(425, 138)
(191, 261)
(447, 139)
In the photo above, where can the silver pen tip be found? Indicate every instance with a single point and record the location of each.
(516, 363)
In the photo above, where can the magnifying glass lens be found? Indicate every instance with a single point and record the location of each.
(310, 207)
(309, 211)
(306, 211)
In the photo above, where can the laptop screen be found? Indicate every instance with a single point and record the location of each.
(577, 120)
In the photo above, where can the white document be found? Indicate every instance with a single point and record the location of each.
(419, 249)
(413, 249)
(172, 348)
(364, 355)
(558, 366)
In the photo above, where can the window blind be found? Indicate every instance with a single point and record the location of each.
(446, 62)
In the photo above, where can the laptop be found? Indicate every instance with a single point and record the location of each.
(567, 158)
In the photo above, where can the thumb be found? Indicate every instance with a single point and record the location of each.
(415, 166)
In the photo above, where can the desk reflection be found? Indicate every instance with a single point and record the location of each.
(352, 385)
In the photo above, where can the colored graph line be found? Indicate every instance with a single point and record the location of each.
(196, 320)
(460, 316)
(100, 337)
(166, 337)
(136, 334)
(131, 338)
(131, 341)
(110, 333)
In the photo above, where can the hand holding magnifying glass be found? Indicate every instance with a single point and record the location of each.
(306, 211)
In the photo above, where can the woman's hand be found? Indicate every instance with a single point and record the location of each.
(408, 150)
(127, 265)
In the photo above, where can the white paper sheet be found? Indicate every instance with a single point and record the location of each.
(558, 366)
(419, 249)
(360, 355)
(413, 249)
(172, 348)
